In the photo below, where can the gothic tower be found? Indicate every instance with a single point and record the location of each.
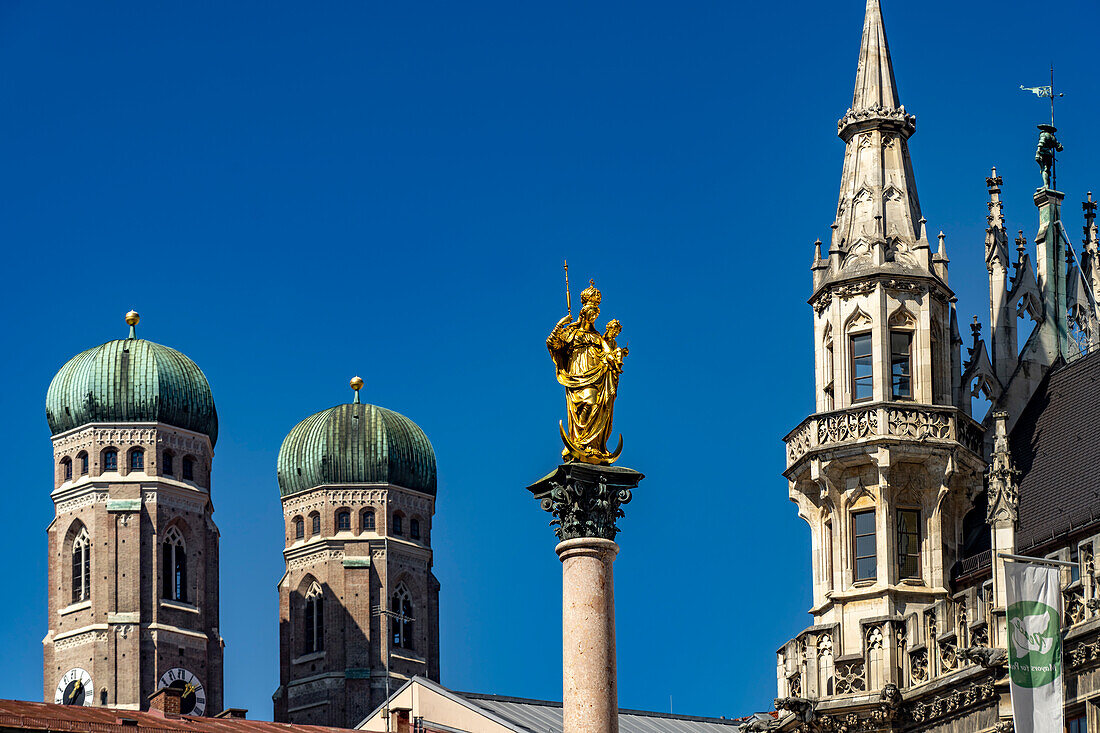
(885, 469)
(133, 549)
(358, 604)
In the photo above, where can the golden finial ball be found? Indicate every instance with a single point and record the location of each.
(132, 318)
(356, 383)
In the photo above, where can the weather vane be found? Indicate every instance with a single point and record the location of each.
(1048, 144)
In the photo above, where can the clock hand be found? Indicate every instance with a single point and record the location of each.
(75, 689)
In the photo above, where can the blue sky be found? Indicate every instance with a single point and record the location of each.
(293, 193)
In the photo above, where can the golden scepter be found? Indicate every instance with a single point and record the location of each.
(568, 301)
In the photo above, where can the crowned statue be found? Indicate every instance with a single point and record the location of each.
(588, 365)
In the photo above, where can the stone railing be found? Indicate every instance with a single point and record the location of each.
(883, 421)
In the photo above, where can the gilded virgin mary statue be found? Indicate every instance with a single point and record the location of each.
(588, 365)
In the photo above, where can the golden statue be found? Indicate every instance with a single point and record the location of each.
(588, 366)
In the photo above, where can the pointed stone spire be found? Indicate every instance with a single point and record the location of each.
(878, 210)
(875, 85)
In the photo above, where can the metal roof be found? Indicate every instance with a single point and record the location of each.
(356, 444)
(131, 380)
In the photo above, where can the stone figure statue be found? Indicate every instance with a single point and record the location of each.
(588, 365)
(1044, 152)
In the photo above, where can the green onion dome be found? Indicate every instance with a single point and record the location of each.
(131, 380)
(356, 444)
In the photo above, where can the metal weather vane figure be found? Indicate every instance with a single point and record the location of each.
(588, 365)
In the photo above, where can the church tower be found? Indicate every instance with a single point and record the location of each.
(886, 468)
(133, 549)
(358, 604)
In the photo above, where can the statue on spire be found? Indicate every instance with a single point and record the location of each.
(1044, 153)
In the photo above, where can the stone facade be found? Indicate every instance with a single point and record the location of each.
(117, 623)
(339, 676)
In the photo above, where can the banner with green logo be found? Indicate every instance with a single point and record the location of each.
(1034, 595)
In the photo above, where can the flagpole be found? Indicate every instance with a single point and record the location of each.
(1041, 560)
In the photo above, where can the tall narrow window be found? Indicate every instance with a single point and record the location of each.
(368, 520)
(414, 529)
(901, 365)
(863, 544)
(110, 460)
(188, 468)
(166, 464)
(174, 559)
(67, 468)
(137, 460)
(862, 369)
(397, 528)
(1076, 724)
(402, 622)
(908, 543)
(299, 528)
(1075, 558)
(83, 458)
(82, 566)
(314, 631)
(343, 521)
(937, 380)
(315, 524)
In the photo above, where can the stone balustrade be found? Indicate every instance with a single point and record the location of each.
(878, 421)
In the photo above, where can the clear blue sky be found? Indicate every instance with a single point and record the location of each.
(293, 193)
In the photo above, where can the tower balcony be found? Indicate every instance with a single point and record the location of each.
(878, 423)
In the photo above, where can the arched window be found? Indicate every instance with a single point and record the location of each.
(343, 521)
(188, 468)
(137, 459)
(82, 566)
(397, 528)
(401, 624)
(414, 529)
(368, 520)
(67, 468)
(315, 524)
(299, 528)
(166, 463)
(174, 559)
(314, 632)
(110, 460)
(82, 457)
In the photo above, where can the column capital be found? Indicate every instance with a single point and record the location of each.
(585, 499)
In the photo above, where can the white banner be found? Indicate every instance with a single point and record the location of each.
(1035, 646)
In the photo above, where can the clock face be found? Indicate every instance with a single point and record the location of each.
(193, 699)
(75, 688)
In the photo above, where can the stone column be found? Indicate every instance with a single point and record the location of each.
(586, 501)
(589, 678)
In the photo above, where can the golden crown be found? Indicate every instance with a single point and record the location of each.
(590, 295)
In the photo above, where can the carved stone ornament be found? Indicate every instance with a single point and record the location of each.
(984, 656)
(1003, 491)
(586, 499)
(800, 706)
(877, 113)
(951, 702)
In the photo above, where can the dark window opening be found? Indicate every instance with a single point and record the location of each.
(368, 520)
(166, 464)
(863, 534)
(343, 521)
(402, 621)
(82, 567)
(67, 466)
(901, 365)
(110, 460)
(414, 529)
(862, 369)
(83, 458)
(174, 559)
(315, 523)
(397, 529)
(188, 468)
(908, 543)
(137, 460)
(314, 635)
(299, 528)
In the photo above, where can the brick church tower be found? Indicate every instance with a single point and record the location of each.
(133, 549)
(358, 604)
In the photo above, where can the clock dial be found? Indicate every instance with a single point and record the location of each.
(193, 699)
(75, 688)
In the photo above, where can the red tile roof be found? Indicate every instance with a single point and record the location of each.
(79, 719)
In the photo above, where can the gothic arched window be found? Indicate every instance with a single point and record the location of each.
(314, 631)
(110, 460)
(82, 566)
(82, 457)
(401, 623)
(343, 521)
(166, 463)
(368, 520)
(137, 459)
(174, 559)
(67, 468)
(315, 524)
(299, 528)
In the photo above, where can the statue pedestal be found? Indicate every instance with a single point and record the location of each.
(586, 501)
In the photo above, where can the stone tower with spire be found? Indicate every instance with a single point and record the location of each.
(886, 468)
(133, 548)
(358, 603)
